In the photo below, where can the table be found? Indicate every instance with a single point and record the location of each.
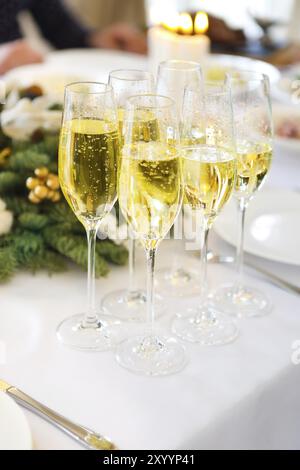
(241, 396)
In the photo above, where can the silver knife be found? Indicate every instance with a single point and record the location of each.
(277, 281)
(81, 434)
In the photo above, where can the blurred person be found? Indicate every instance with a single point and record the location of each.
(61, 29)
(99, 14)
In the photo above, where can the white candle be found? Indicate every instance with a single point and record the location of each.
(164, 45)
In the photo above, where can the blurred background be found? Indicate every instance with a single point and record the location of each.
(280, 20)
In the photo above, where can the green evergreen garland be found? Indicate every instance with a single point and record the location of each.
(48, 235)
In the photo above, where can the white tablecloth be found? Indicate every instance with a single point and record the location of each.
(243, 395)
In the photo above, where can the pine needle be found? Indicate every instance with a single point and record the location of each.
(34, 222)
(8, 263)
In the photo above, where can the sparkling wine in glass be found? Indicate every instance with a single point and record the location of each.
(254, 141)
(174, 78)
(129, 303)
(209, 170)
(150, 197)
(88, 157)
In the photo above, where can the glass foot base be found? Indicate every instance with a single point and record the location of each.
(177, 283)
(206, 327)
(102, 336)
(241, 302)
(130, 306)
(151, 355)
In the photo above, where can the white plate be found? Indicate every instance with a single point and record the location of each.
(14, 429)
(272, 226)
(51, 78)
(280, 112)
(97, 63)
(243, 63)
(63, 67)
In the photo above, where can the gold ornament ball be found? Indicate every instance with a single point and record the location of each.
(32, 183)
(41, 172)
(50, 194)
(52, 182)
(33, 198)
(56, 197)
(40, 191)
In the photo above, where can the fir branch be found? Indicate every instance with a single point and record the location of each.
(44, 236)
(116, 254)
(27, 245)
(8, 263)
(5, 240)
(27, 160)
(50, 261)
(73, 247)
(49, 146)
(18, 205)
(10, 182)
(53, 167)
(34, 222)
(21, 145)
(61, 214)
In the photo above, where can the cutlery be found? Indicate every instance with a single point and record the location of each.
(81, 434)
(277, 281)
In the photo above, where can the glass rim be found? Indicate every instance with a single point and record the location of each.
(106, 88)
(169, 102)
(146, 74)
(190, 65)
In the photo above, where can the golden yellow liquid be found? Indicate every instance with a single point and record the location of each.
(253, 164)
(150, 189)
(208, 178)
(143, 128)
(88, 156)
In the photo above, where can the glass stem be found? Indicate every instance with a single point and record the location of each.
(91, 317)
(203, 260)
(240, 241)
(132, 277)
(150, 288)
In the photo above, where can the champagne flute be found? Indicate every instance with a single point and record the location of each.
(174, 78)
(150, 197)
(254, 135)
(209, 170)
(88, 156)
(129, 303)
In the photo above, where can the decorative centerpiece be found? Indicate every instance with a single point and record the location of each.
(181, 37)
(37, 228)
